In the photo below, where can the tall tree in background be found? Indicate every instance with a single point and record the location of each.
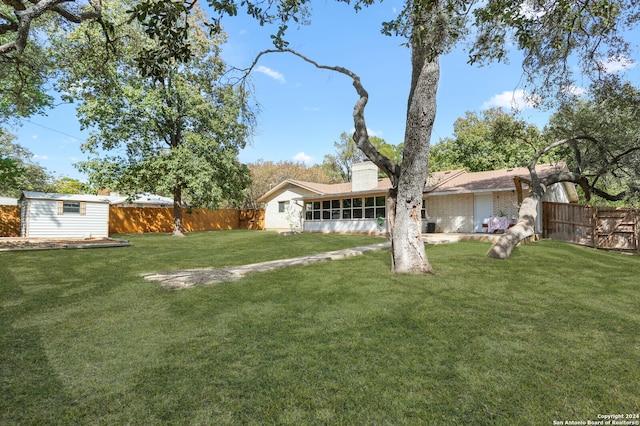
(551, 35)
(67, 185)
(340, 164)
(490, 140)
(17, 170)
(169, 123)
(25, 69)
(267, 174)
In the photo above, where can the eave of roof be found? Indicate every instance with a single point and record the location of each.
(301, 184)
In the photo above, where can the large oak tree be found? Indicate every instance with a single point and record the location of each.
(600, 139)
(553, 36)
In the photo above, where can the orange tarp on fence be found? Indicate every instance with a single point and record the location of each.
(125, 220)
(9, 221)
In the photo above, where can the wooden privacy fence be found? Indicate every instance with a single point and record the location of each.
(600, 227)
(127, 220)
(131, 220)
(9, 221)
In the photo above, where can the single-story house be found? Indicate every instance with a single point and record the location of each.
(453, 201)
(49, 215)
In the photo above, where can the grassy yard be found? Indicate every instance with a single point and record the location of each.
(553, 334)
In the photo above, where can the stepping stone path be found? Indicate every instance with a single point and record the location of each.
(196, 277)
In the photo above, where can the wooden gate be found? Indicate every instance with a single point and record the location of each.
(600, 227)
(617, 228)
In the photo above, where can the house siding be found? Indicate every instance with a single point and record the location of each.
(451, 213)
(556, 193)
(505, 202)
(41, 220)
(274, 220)
(364, 226)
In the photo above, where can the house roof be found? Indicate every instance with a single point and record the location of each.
(493, 180)
(446, 182)
(322, 189)
(32, 195)
(8, 201)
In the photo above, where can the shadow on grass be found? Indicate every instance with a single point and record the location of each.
(480, 342)
(30, 388)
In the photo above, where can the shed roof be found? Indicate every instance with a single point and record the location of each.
(32, 195)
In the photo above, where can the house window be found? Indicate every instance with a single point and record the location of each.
(423, 211)
(357, 208)
(282, 206)
(347, 208)
(374, 207)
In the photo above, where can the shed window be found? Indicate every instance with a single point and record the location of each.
(72, 207)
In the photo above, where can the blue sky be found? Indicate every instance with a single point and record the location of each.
(303, 110)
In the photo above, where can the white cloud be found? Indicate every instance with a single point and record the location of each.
(517, 100)
(271, 73)
(304, 158)
(533, 12)
(615, 64)
(575, 90)
(370, 132)
(40, 157)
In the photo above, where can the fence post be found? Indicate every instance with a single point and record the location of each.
(636, 228)
(594, 232)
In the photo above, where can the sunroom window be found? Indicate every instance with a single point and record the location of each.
(346, 208)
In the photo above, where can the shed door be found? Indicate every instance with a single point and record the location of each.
(482, 209)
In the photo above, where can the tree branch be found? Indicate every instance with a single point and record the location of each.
(361, 136)
(26, 15)
(616, 197)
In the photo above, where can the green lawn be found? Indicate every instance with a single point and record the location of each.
(553, 334)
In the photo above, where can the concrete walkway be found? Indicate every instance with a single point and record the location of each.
(439, 238)
(177, 280)
(196, 277)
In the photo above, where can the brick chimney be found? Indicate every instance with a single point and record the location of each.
(364, 176)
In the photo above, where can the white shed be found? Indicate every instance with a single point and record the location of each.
(47, 215)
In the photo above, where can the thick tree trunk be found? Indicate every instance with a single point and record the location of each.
(409, 179)
(407, 246)
(525, 227)
(178, 228)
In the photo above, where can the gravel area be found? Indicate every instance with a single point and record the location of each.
(12, 243)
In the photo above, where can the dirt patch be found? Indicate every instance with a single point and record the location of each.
(11, 243)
